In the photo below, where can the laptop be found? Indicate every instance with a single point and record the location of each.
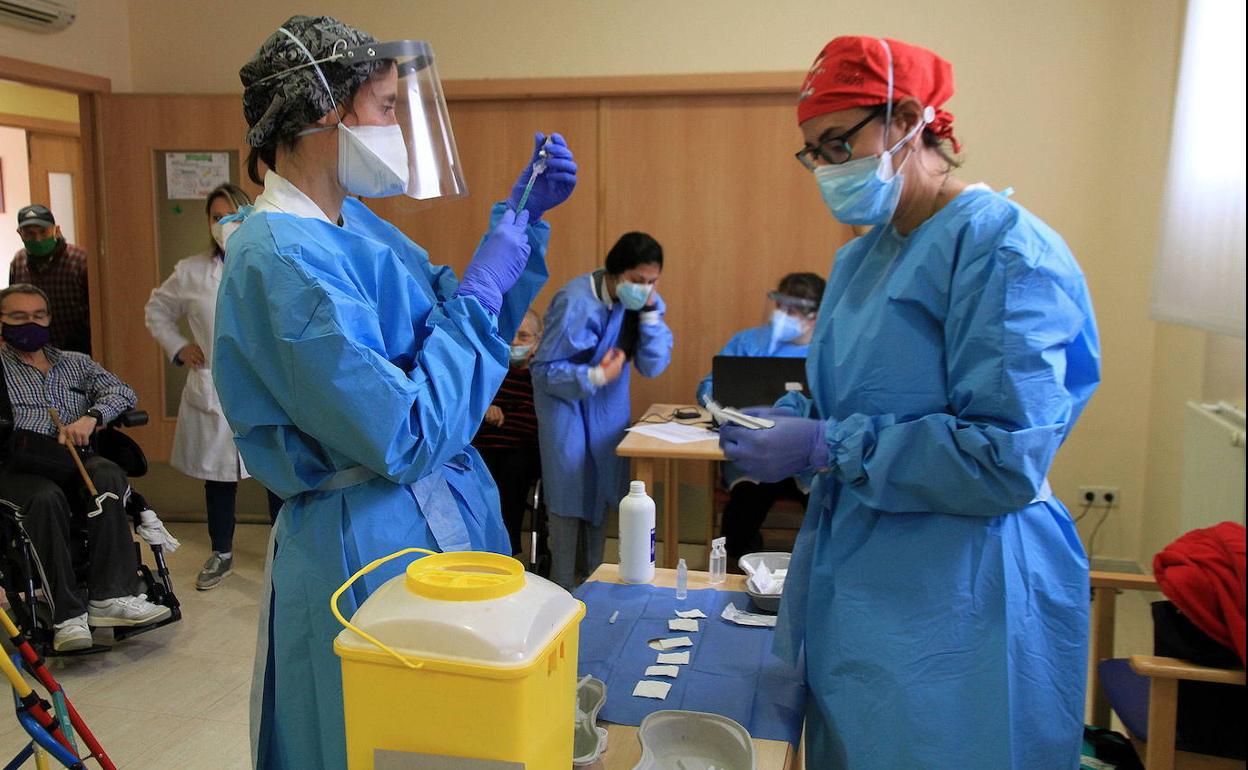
(741, 381)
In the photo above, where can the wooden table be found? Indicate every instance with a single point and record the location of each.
(655, 460)
(623, 749)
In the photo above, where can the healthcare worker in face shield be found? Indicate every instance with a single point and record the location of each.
(938, 587)
(787, 335)
(353, 371)
(596, 325)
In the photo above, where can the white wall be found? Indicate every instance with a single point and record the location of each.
(16, 182)
(97, 43)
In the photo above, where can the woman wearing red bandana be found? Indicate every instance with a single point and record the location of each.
(938, 588)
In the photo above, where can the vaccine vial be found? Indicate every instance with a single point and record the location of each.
(682, 580)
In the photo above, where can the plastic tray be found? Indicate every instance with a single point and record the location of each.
(693, 740)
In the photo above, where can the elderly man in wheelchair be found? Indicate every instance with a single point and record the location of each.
(54, 400)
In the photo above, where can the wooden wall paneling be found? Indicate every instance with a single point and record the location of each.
(495, 140)
(133, 127)
(713, 178)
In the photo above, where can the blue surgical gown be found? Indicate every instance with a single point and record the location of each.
(755, 342)
(579, 423)
(939, 589)
(342, 354)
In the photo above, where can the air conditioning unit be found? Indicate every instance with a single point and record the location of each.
(38, 15)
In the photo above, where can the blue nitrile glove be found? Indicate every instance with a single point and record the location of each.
(554, 185)
(499, 261)
(793, 445)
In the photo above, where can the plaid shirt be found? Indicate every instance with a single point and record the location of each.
(64, 278)
(73, 385)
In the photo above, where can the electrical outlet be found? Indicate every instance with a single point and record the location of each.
(1098, 497)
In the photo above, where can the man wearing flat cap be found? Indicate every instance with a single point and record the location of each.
(58, 268)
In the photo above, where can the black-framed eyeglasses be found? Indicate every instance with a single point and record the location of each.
(835, 150)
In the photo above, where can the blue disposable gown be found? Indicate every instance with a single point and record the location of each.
(939, 588)
(579, 423)
(754, 342)
(342, 348)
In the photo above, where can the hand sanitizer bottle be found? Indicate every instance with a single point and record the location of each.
(719, 562)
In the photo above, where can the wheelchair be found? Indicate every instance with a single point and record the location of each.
(535, 507)
(19, 572)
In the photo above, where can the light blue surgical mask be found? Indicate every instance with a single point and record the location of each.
(519, 353)
(865, 191)
(632, 295)
(784, 328)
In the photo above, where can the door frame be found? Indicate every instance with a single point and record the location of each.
(89, 89)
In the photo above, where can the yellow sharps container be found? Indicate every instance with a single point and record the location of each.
(465, 656)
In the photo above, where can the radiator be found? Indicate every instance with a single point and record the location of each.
(1213, 466)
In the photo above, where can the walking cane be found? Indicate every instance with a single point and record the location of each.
(73, 451)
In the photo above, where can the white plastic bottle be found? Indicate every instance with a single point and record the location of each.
(637, 535)
(719, 562)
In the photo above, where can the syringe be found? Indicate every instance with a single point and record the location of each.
(538, 168)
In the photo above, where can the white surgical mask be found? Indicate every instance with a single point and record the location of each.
(372, 160)
(218, 234)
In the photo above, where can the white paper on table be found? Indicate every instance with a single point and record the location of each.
(681, 624)
(690, 614)
(764, 581)
(678, 641)
(648, 689)
(679, 658)
(674, 432)
(671, 671)
(734, 615)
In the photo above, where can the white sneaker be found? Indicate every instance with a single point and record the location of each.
(70, 635)
(125, 611)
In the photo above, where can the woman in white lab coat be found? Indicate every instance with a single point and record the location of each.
(203, 445)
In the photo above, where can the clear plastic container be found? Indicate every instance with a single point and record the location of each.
(719, 562)
(682, 579)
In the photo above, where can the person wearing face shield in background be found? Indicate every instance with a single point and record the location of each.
(787, 335)
(938, 588)
(354, 371)
(595, 325)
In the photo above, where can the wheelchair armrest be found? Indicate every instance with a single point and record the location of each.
(132, 418)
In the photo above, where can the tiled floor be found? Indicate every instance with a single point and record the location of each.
(176, 697)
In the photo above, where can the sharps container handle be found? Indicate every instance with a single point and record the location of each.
(333, 601)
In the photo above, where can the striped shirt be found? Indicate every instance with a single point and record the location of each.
(73, 385)
(519, 428)
(63, 277)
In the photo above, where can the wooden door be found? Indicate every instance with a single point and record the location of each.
(133, 130)
(56, 164)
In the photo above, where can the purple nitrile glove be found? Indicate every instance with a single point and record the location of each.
(793, 445)
(498, 263)
(552, 186)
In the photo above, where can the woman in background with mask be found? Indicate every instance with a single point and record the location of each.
(795, 310)
(507, 439)
(353, 370)
(203, 444)
(596, 325)
(938, 587)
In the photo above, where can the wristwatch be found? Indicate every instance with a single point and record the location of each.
(99, 417)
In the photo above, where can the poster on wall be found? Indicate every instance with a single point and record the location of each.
(192, 175)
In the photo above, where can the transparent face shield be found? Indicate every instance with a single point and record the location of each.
(419, 110)
(798, 307)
